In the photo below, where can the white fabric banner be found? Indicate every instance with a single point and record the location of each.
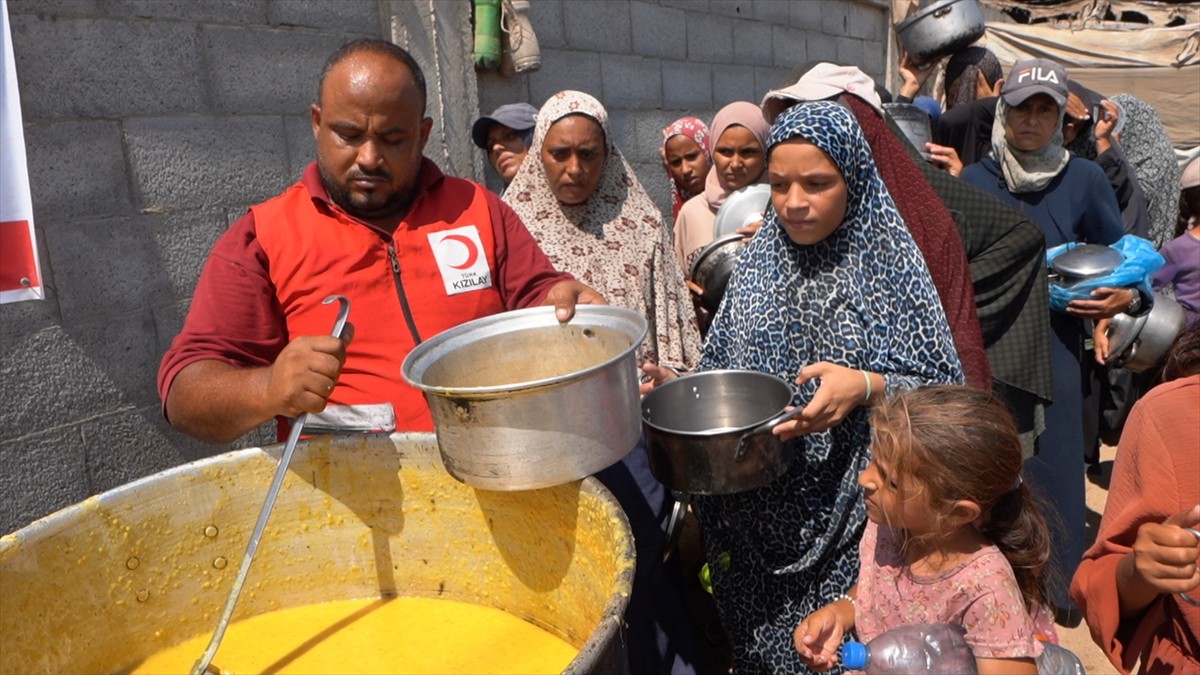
(20, 272)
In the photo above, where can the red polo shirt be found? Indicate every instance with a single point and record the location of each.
(459, 254)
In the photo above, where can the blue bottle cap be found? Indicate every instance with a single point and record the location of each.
(854, 655)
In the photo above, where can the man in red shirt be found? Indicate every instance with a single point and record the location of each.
(415, 251)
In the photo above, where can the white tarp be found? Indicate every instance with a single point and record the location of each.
(20, 273)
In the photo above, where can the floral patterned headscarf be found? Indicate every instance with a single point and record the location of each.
(614, 242)
(697, 130)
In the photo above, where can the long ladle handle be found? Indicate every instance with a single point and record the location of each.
(201, 666)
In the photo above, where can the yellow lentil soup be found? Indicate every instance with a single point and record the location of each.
(400, 635)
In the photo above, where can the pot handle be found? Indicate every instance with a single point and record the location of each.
(765, 427)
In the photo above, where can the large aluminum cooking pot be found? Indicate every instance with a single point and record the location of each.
(522, 402)
(940, 28)
(710, 432)
(1143, 342)
(97, 587)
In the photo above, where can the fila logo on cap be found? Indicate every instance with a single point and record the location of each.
(1038, 74)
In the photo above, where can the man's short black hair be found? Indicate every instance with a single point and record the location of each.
(375, 46)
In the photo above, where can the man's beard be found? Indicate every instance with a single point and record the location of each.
(396, 203)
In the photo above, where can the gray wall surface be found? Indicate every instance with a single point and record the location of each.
(150, 126)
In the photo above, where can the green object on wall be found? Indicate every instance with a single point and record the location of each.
(487, 34)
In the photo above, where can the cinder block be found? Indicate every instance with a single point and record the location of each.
(127, 444)
(106, 68)
(874, 59)
(772, 11)
(753, 45)
(222, 11)
(850, 51)
(835, 16)
(185, 163)
(76, 169)
(868, 22)
(546, 19)
(659, 31)
(766, 79)
(43, 473)
(734, 83)
(687, 85)
(349, 16)
(105, 267)
(731, 8)
(821, 47)
(265, 71)
(630, 82)
(184, 240)
(806, 14)
(302, 149)
(791, 47)
(564, 70)
(168, 322)
(496, 90)
(691, 6)
(710, 38)
(622, 124)
(53, 7)
(599, 26)
(51, 381)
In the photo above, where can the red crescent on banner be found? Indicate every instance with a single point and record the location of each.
(472, 252)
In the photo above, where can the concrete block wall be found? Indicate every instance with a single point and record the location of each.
(652, 61)
(150, 126)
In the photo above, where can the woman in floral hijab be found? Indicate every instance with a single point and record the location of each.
(578, 196)
(687, 159)
(613, 239)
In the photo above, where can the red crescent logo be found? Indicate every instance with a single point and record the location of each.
(472, 252)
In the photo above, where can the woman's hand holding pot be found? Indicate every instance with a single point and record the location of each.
(654, 375)
(841, 390)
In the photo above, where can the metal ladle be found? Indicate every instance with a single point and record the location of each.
(204, 663)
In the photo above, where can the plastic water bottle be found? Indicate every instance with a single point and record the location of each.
(914, 648)
(1056, 660)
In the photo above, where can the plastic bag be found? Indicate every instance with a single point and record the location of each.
(1141, 261)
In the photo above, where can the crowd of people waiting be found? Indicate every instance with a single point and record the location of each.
(944, 428)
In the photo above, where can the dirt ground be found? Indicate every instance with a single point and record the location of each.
(714, 659)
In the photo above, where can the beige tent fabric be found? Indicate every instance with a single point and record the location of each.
(1142, 63)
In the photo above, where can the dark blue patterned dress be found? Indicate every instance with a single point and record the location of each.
(861, 298)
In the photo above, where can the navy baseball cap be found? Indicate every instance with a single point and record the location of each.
(515, 116)
(1035, 76)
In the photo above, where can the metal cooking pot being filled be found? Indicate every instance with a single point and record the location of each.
(940, 28)
(522, 402)
(710, 432)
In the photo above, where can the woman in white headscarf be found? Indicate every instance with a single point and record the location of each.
(579, 197)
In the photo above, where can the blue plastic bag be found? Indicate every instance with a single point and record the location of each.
(1141, 261)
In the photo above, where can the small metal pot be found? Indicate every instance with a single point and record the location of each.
(1142, 343)
(710, 432)
(522, 402)
(1085, 261)
(940, 28)
(713, 267)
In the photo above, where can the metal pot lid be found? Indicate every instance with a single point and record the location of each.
(741, 208)
(1087, 260)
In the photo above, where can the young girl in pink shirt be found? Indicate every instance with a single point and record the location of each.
(953, 535)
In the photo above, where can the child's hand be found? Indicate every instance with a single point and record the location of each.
(841, 390)
(1100, 340)
(819, 635)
